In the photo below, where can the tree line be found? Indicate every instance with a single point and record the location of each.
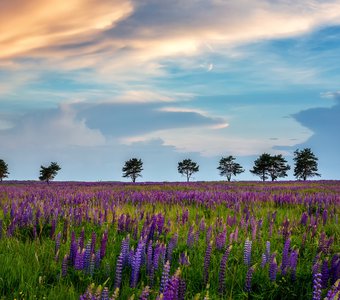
(265, 166)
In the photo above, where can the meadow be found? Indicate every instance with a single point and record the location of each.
(204, 240)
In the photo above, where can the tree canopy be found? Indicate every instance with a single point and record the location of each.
(273, 166)
(187, 168)
(3, 170)
(228, 167)
(48, 173)
(306, 164)
(132, 168)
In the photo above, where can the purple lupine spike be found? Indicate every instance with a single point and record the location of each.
(149, 258)
(145, 293)
(207, 263)
(81, 240)
(165, 277)
(119, 270)
(202, 225)
(220, 239)
(190, 239)
(317, 286)
(267, 252)
(136, 264)
(285, 257)
(171, 246)
(293, 263)
(93, 241)
(247, 252)
(103, 245)
(324, 274)
(263, 260)
(181, 289)
(223, 265)
(184, 259)
(124, 249)
(172, 288)
(91, 265)
(335, 268)
(73, 252)
(156, 256)
(324, 217)
(87, 257)
(57, 246)
(304, 219)
(273, 267)
(334, 292)
(249, 276)
(105, 294)
(79, 261)
(97, 259)
(64, 266)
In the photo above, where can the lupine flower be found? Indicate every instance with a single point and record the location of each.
(149, 258)
(165, 276)
(324, 274)
(293, 263)
(334, 292)
(184, 259)
(207, 263)
(125, 249)
(190, 239)
(64, 266)
(172, 244)
(103, 245)
(285, 257)
(223, 265)
(105, 294)
(181, 289)
(172, 288)
(136, 264)
(317, 286)
(57, 246)
(81, 239)
(79, 261)
(93, 241)
(272, 268)
(249, 276)
(119, 270)
(247, 252)
(87, 257)
(145, 293)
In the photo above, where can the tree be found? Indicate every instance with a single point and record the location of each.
(187, 167)
(306, 164)
(261, 166)
(273, 166)
(48, 173)
(229, 167)
(132, 168)
(278, 167)
(3, 170)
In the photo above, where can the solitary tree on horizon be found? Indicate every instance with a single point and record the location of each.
(48, 173)
(306, 164)
(187, 167)
(3, 170)
(228, 167)
(132, 168)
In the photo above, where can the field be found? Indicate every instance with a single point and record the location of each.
(239, 240)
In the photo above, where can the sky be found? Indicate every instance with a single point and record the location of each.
(90, 84)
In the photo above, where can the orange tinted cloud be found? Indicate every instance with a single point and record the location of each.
(30, 24)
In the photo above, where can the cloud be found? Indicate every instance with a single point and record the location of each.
(29, 25)
(126, 120)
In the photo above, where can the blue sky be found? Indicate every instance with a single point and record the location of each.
(91, 84)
